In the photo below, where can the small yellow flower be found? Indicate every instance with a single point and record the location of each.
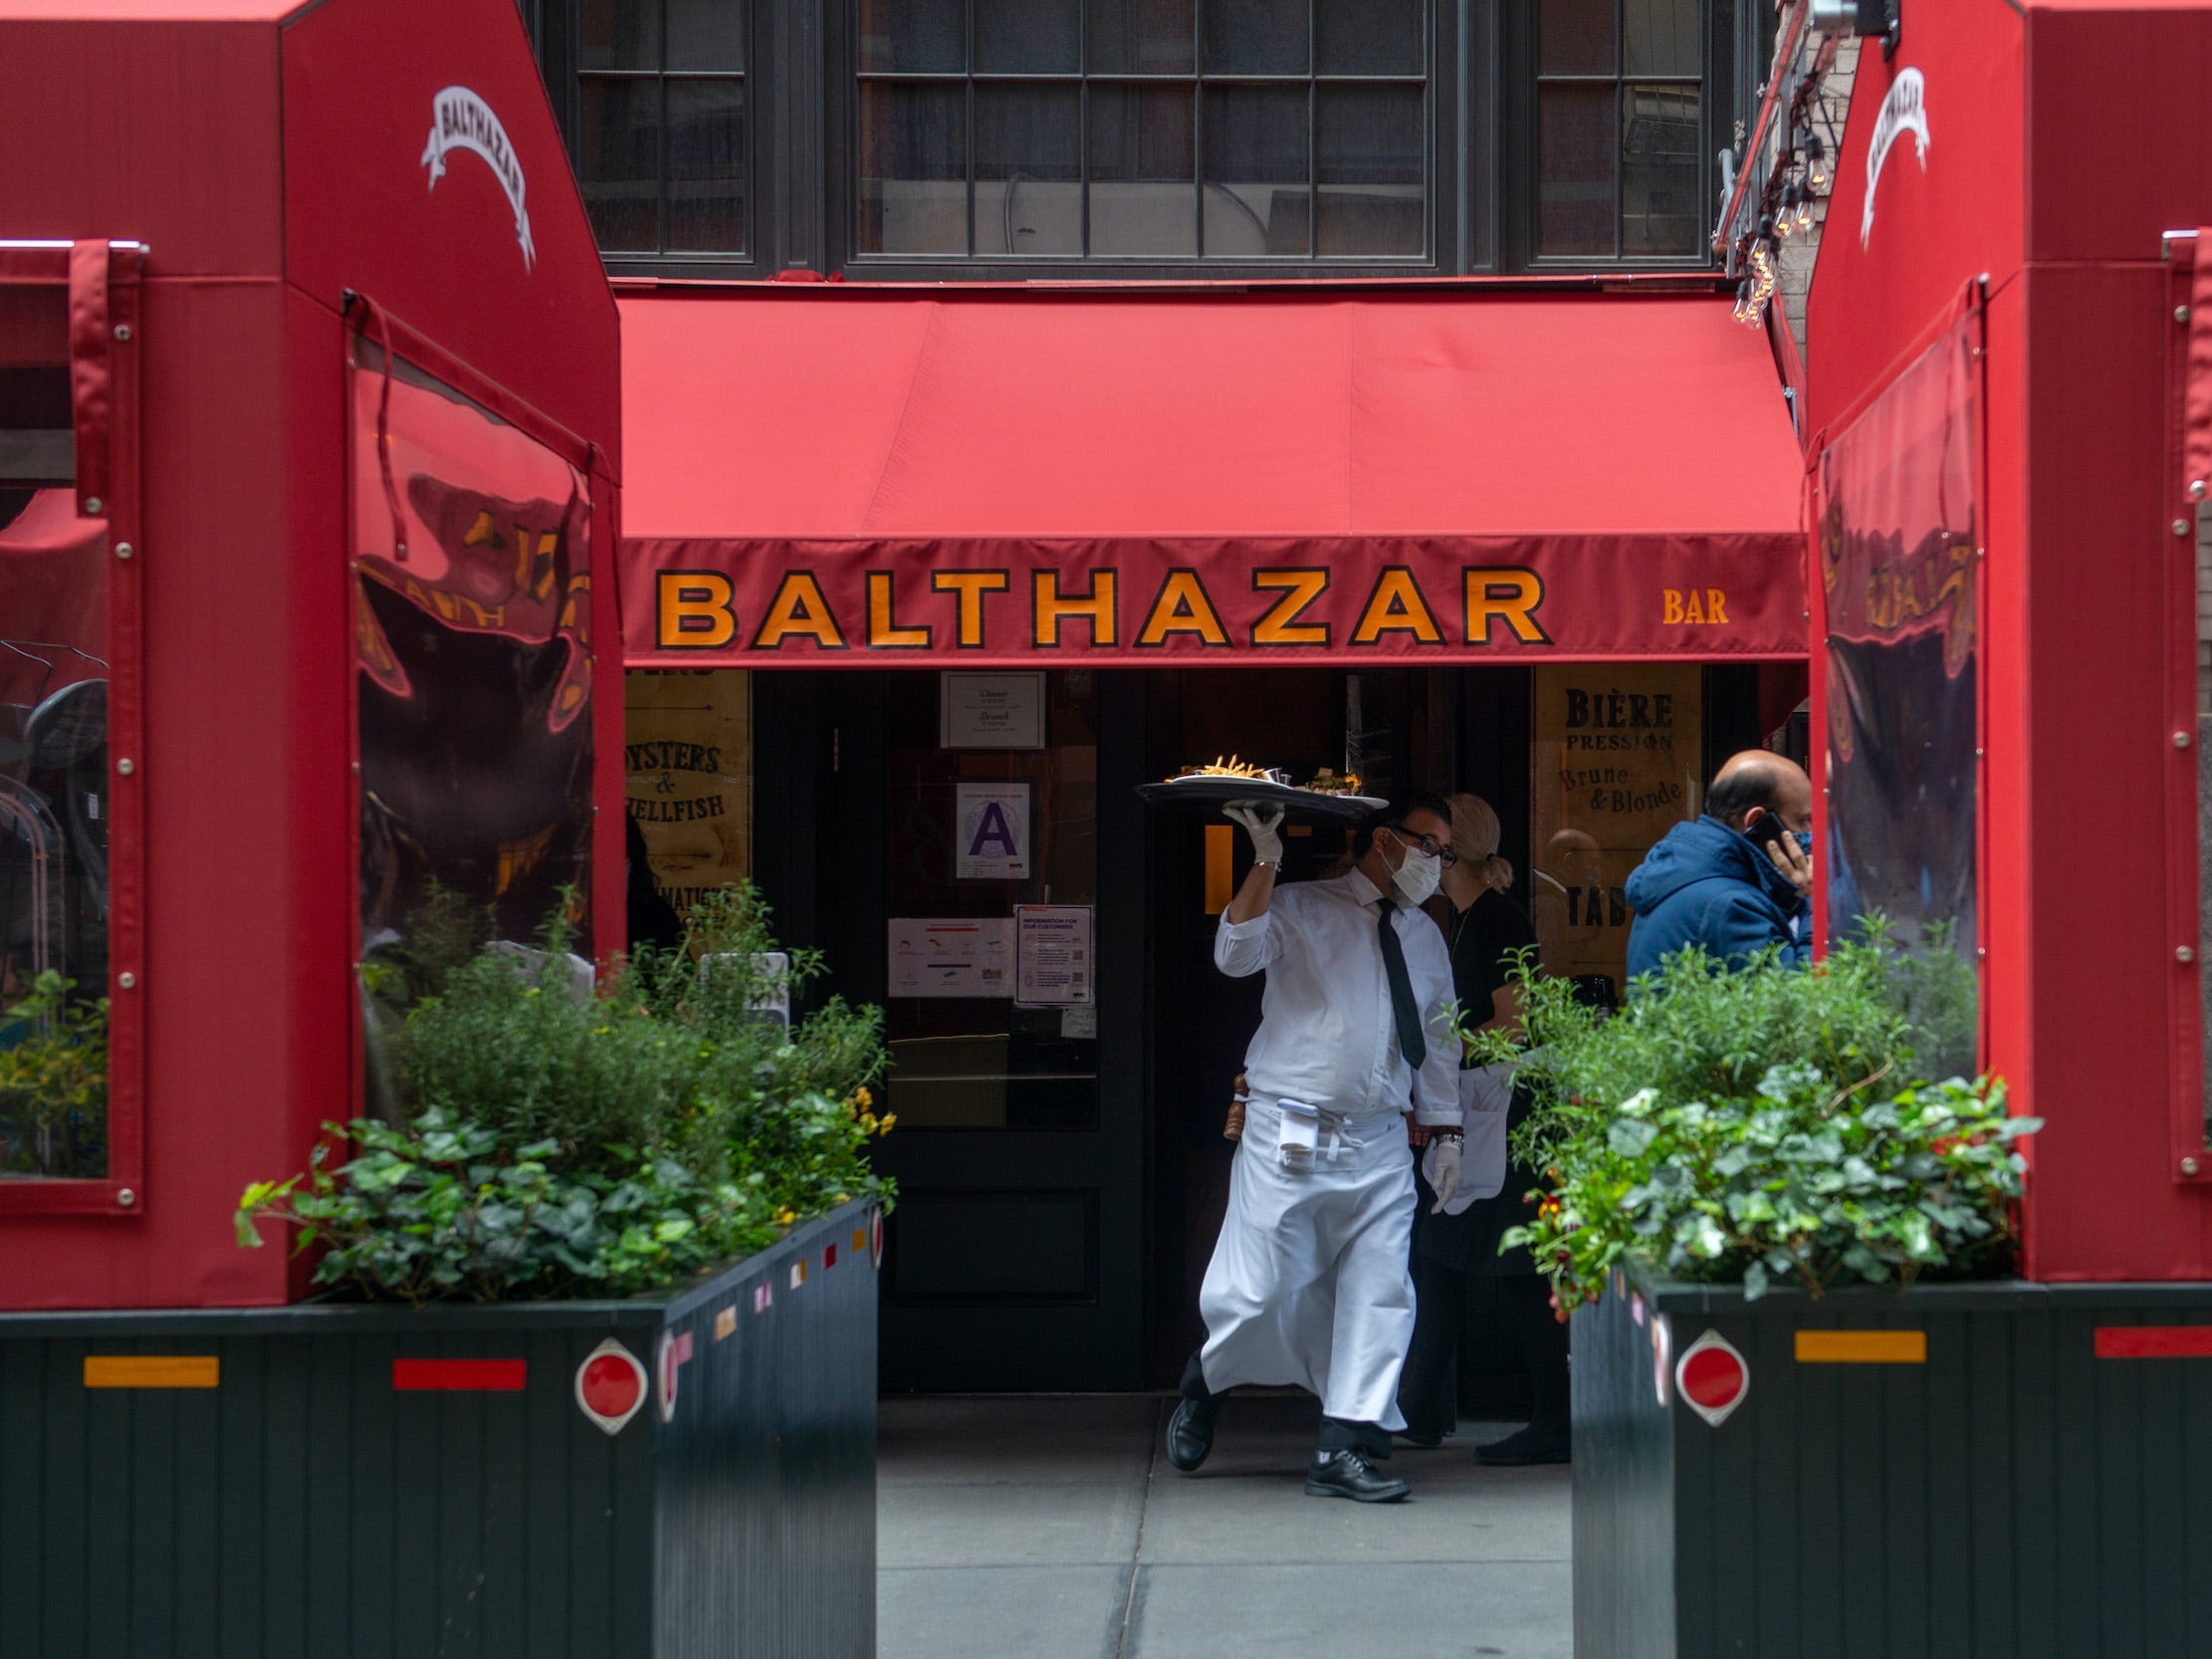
(862, 1098)
(785, 1216)
(889, 1118)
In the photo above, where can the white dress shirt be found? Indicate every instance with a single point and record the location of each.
(1327, 1037)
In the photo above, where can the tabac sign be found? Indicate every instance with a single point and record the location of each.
(706, 603)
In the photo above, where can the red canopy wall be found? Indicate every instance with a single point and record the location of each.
(2065, 136)
(271, 154)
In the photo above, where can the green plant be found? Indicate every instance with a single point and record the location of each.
(556, 1136)
(1761, 1125)
(54, 1082)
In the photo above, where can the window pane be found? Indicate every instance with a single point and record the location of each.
(1145, 37)
(1370, 37)
(1256, 37)
(619, 34)
(1143, 150)
(1257, 200)
(1574, 170)
(1028, 170)
(1370, 155)
(1661, 37)
(53, 763)
(705, 166)
(473, 677)
(914, 35)
(1660, 207)
(913, 169)
(1575, 36)
(706, 34)
(618, 161)
(1027, 37)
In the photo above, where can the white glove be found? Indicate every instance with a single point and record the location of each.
(1444, 1156)
(1261, 822)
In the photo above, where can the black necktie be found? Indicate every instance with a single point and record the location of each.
(1401, 993)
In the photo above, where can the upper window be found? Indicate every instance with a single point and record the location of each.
(1620, 128)
(1016, 131)
(662, 126)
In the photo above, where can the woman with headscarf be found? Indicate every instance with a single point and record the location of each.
(1484, 930)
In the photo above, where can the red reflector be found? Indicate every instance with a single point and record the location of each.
(1711, 1379)
(612, 1386)
(2154, 1341)
(830, 1257)
(481, 1377)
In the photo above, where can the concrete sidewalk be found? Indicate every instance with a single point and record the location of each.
(1054, 1527)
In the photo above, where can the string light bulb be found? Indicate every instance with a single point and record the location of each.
(1816, 163)
(1805, 211)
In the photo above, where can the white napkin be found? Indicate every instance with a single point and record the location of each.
(1485, 1097)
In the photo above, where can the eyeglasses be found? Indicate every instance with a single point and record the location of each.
(1427, 843)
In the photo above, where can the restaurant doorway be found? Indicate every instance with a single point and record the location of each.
(1059, 1150)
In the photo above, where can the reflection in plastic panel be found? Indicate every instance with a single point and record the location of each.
(471, 642)
(1898, 573)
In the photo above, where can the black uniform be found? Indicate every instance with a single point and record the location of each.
(1451, 1249)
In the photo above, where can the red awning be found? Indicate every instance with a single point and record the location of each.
(1319, 474)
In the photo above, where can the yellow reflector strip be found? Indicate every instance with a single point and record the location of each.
(725, 1323)
(859, 1240)
(1863, 1348)
(152, 1370)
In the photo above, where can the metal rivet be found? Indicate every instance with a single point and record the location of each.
(126, 1198)
(2196, 489)
(2189, 1166)
(92, 504)
(2181, 314)
(2181, 740)
(1981, 953)
(128, 980)
(123, 330)
(1979, 753)
(122, 550)
(2181, 527)
(126, 768)
(401, 548)
(2184, 954)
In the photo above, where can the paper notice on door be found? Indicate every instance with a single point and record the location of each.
(992, 822)
(951, 956)
(1052, 955)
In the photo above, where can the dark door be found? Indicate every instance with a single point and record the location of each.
(980, 866)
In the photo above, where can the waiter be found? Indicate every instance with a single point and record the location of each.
(1310, 1283)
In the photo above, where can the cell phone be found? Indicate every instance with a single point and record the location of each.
(1766, 830)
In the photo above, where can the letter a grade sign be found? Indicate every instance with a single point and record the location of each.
(991, 823)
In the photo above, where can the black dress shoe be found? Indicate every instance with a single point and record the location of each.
(1191, 1433)
(1350, 1475)
(1527, 1447)
(1420, 1440)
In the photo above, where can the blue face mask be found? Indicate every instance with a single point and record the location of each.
(1804, 841)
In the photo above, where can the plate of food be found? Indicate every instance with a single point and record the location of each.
(1203, 791)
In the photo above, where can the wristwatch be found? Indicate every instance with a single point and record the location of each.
(1451, 1131)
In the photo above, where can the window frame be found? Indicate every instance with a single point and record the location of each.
(561, 51)
(1443, 174)
(102, 283)
(1519, 187)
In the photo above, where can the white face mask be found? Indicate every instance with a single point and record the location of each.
(1417, 878)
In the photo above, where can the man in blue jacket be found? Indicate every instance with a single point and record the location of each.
(1725, 883)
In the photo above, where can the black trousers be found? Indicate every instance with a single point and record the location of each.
(1425, 1393)
(1336, 1434)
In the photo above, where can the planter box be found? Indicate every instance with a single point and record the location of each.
(296, 1481)
(2034, 1483)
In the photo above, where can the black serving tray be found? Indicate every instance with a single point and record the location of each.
(1205, 796)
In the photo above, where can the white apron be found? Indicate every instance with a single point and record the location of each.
(1309, 1283)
